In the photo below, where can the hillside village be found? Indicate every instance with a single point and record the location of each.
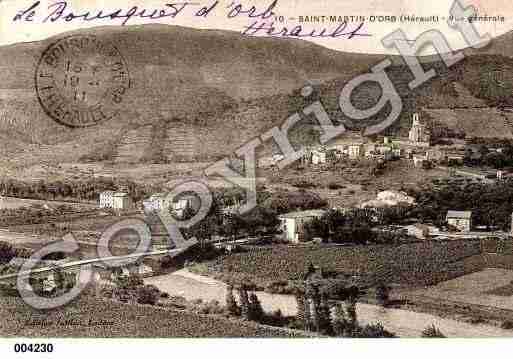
(415, 222)
(295, 219)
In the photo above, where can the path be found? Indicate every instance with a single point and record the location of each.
(402, 322)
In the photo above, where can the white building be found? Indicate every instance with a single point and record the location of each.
(318, 157)
(49, 284)
(462, 220)
(159, 203)
(355, 150)
(142, 270)
(115, 200)
(420, 160)
(419, 134)
(292, 224)
(389, 199)
(155, 203)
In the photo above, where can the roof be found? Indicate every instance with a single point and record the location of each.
(120, 194)
(155, 196)
(302, 214)
(459, 214)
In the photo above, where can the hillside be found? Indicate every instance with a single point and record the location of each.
(177, 73)
(200, 94)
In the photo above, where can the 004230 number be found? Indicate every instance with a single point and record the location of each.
(33, 348)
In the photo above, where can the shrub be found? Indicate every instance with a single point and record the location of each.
(212, 307)
(148, 294)
(507, 324)
(335, 186)
(6, 252)
(375, 331)
(432, 332)
(383, 294)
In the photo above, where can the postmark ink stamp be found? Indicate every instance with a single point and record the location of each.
(81, 81)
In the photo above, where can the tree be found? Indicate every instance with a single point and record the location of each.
(7, 252)
(245, 306)
(339, 322)
(351, 312)
(231, 304)
(324, 316)
(383, 294)
(148, 294)
(256, 311)
(303, 307)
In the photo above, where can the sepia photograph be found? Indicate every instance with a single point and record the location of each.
(319, 172)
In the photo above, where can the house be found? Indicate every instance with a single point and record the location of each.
(462, 220)
(49, 284)
(389, 199)
(455, 159)
(142, 270)
(119, 273)
(115, 200)
(355, 150)
(419, 135)
(419, 161)
(158, 203)
(184, 203)
(418, 230)
(155, 203)
(318, 157)
(293, 223)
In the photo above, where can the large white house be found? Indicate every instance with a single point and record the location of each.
(462, 220)
(155, 203)
(292, 224)
(158, 203)
(115, 200)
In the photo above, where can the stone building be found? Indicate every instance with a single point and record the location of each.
(115, 200)
(355, 150)
(462, 220)
(293, 223)
(419, 134)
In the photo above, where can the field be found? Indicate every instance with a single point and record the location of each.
(490, 287)
(91, 317)
(410, 265)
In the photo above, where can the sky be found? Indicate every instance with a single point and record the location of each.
(288, 10)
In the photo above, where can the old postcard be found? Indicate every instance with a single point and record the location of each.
(255, 169)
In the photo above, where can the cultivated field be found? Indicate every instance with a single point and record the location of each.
(490, 287)
(411, 265)
(91, 317)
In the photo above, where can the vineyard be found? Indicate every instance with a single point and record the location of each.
(414, 264)
(91, 317)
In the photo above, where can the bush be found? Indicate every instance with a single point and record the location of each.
(507, 324)
(375, 331)
(303, 184)
(212, 307)
(148, 294)
(335, 186)
(7, 252)
(432, 332)
(383, 294)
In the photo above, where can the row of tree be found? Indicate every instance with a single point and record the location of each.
(87, 189)
(355, 226)
(263, 219)
(491, 203)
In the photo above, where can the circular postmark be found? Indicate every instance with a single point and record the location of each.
(81, 81)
